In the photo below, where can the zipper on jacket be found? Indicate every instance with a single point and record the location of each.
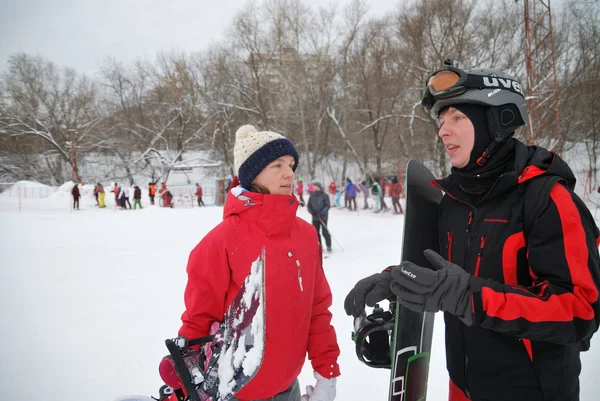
(462, 334)
(449, 246)
(299, 275)
(468, 232)
(479, 255)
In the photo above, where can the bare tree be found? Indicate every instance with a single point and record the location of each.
(42, 101)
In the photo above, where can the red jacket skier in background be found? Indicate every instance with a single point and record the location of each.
(76, 195)
(260, 211)
(300, 191)
(395, 193)
(199, 194)
(332, 187)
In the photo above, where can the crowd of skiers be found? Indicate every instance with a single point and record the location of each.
(122, 195)
(376, 189)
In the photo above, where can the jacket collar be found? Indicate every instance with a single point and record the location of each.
(274, 215)
(530, 162)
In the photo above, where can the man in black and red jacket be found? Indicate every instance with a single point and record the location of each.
(520, 302)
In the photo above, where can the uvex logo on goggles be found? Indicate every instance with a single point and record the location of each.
(503, 83)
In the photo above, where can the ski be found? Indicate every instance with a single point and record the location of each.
(413, 332)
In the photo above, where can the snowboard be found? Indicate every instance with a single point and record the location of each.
(413, 331)
(232, 357)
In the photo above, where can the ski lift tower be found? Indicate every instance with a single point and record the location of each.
(542, 82)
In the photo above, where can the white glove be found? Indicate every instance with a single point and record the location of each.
(324, 390)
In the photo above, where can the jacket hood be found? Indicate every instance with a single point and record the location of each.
(533, 161)
(272, 214)
(530, 162)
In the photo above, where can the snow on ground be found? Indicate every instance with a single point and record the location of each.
(87, 299)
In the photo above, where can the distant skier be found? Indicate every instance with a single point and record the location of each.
(383, 184)
(137, 197)
(350, 191)
(101, 195)
(364, 187)
(300, 191)
(520, 294)
(151, 192)
(76, 195)
(199, 195)
(260, 211)
(124, 197)
(318, 207)
(395, 193)
(377, 196)
(332, 192)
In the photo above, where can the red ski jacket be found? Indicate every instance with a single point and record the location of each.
(297, 293)
(395, 190)
(198, 191)
(332, 188)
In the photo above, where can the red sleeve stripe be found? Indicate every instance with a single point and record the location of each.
(576, 251)
(557, 308)
(509, 257)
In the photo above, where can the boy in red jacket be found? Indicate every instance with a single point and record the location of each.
(260, 211)
(199, 195)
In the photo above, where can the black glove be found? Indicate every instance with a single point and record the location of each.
(371, 289)
(424, 290)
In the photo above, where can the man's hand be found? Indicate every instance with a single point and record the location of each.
(448, 288)
(371, 290)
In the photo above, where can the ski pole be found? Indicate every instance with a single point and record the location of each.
(336, 241)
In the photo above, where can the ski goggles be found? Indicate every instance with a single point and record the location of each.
(449, 81)
(445, 83)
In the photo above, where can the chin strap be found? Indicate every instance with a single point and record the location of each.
(487, 153)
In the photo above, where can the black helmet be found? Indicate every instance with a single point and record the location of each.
(487, 87)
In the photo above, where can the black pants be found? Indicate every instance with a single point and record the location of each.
(151, 199)
(396, 202)
(76, 203)
(321, 225)
(200, 201)
(383, 204)
(349, 202)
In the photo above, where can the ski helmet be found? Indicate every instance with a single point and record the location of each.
(501, 94)
(484, 86)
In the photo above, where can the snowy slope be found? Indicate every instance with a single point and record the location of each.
(88, 298)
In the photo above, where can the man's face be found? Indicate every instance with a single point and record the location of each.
(458, 134)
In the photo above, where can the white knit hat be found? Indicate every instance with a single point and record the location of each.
(254, 150)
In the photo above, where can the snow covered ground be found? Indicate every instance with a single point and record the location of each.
(88, 298)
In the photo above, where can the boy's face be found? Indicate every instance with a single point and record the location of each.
(458, 134)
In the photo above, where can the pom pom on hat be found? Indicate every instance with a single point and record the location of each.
(254, 150)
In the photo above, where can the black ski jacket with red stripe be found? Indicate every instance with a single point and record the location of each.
(539, 305)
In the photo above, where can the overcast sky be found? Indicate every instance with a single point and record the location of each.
(82, 33)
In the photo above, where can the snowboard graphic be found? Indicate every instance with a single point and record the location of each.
(411, 342)
(229, 358)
